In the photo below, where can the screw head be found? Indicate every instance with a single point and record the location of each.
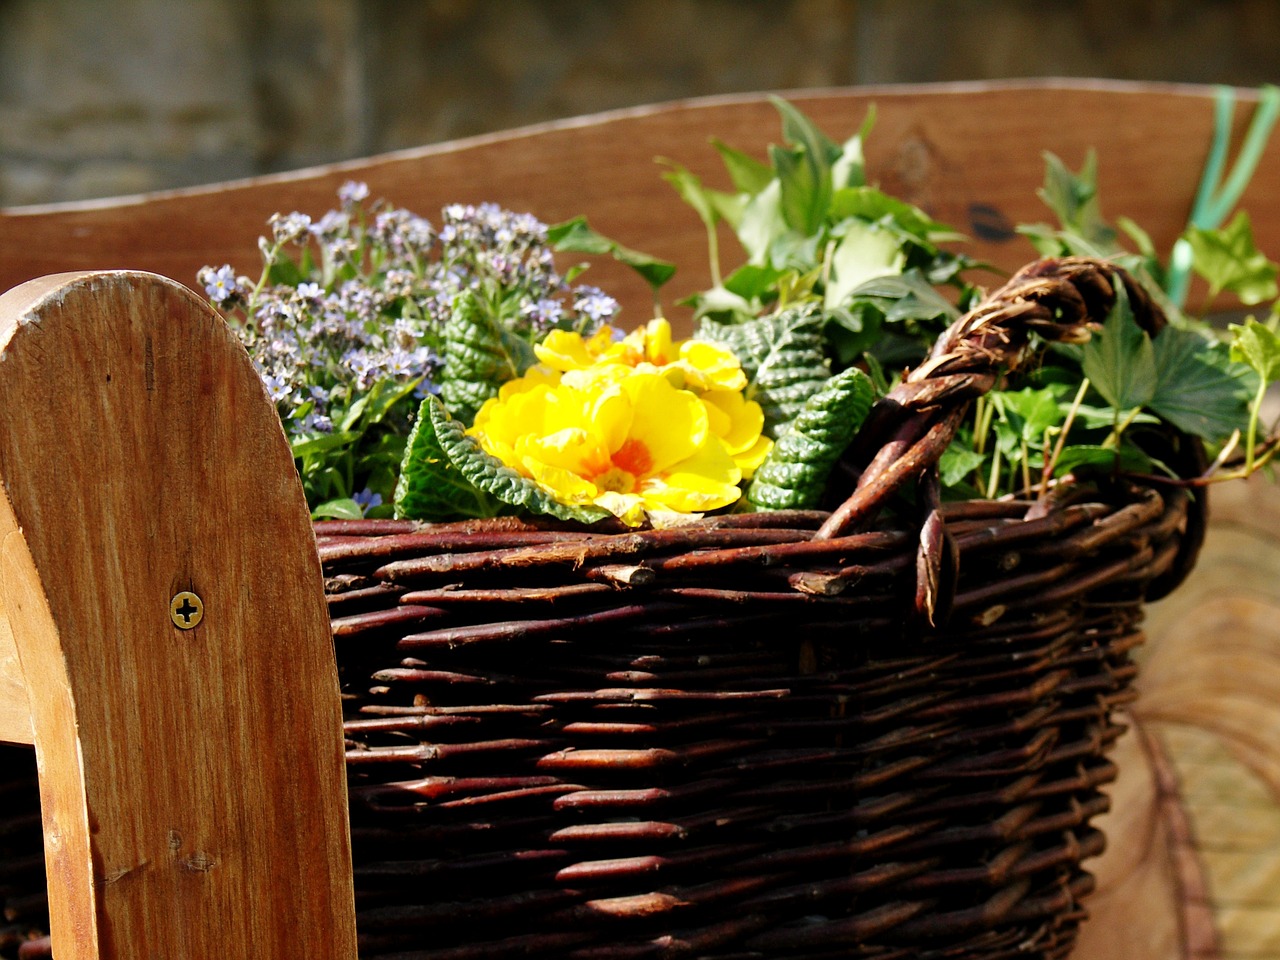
(186, 610)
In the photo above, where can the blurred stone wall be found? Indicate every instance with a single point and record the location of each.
(103, 97)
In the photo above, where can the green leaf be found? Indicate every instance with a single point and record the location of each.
(957, 463)
(303, 447)
(1228, 260)
(1074, 199)
(794, 474)
(1029, 413)
(799, 130)
(1198, 389)
(1258, 346)
(864, 253)
(575, 236)
(806, 189)
(762, 223)
(1094, 459)
(342, 509)
(478, 358)
(691, 191)
(868, 203)
(1120, 359)
(751, 282)
(749, 175)
(849, 169)
(490, 475)
(781, 354)
(430, 487)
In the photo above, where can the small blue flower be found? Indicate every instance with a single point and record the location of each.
(220, 284)
(352, 192)
(367, 499)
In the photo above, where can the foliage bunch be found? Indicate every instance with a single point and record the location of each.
(349, 318)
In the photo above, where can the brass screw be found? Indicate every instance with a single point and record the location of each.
(186, 610)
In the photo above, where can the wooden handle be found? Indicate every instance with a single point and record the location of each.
(160, 578)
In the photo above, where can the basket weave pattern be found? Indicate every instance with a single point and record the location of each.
(876, 731)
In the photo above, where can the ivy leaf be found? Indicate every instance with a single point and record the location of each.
(850, 168)
(748, 174)
(957, 463)
(794, 474)
(1228, 260)
(1073, 197)
(1258, 346)
(575, 236)
(490, 475)
(1028, 413)
(782, 356)
(1120, 359)
(868, 203)
(430, 487)
(864, 253)
(1198, 388)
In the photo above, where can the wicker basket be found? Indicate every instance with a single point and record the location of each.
(878, 731)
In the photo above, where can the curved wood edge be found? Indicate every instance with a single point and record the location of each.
(970, 154)
(192, 781)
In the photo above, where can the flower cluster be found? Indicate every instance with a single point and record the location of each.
(641, 426)
(345, 323)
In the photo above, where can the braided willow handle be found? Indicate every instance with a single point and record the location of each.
(1061, 299)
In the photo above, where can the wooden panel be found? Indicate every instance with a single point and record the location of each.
(969, 153)
(191, 780)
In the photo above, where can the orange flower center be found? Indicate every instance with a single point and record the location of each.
(634, 457)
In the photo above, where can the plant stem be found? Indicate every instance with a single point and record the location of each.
(1052, 463)
(1251, 438)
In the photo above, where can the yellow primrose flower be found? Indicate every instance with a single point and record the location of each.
(738, 423)
(694, 364)
(636, 446)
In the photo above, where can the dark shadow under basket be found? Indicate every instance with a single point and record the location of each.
(873, 732)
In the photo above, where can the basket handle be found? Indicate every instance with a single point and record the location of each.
(1061, 300)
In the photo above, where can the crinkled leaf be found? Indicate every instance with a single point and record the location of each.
(575, 236)
(794, 474)
(493, 477)
(478, 357)
(1198, 389)
(782, 355)
(1228, 260)
(1120, 360)
(430, 487)
(1257, 345)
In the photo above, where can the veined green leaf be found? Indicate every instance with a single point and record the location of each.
(781, 354)
(1228, 260)
(478, 358)
(806, 188)
(1028, 413)
(794, 475)
(1120, 359)
(1258, 346)
(958, 463)
(1198, 388)
(1074, 199)
(430, 487)
(490, 475)
(575, 236)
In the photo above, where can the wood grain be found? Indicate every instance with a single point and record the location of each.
(970, 154)
(191, 780)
